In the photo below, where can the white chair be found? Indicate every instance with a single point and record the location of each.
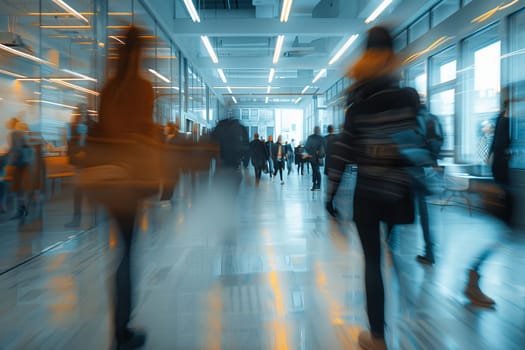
(456, 183)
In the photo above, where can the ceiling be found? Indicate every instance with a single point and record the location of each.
(244, 33)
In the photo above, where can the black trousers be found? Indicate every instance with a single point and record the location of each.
(125, 220)
(258, 172)
(367, 219)
(316, 173)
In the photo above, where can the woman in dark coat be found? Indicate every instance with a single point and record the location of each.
(377, 109)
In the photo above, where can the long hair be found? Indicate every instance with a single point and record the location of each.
(374, 63)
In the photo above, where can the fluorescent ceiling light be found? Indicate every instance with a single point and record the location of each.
(378, 11)
(229, 89)
(285, 11)
(12, 74)
(64, 27)
(192, 11)
(79, 75)
(343, 49)
(29, 79)
(73, 86)
(272, 73)
(158, 75)
(166, 87)
(266, 100)
(245, 87)
(221, 74)
(234, 99)
(23, 54)
(278, 48)
(319, 75)
(268, 89)
(208, 46)
(51, 103)
(71, 10)
(117, 39)
(305, 88)
(298, 100)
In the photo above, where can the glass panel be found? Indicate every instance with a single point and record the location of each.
(444, 10)
(481, 93)
(420, 27)
(442, 104)
(466, 2)
(517, 73)
(400, 41)
(417, 78)
(443, 66)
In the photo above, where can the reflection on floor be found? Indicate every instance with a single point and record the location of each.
(274, 273)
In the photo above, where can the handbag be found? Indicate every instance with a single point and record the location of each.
(115, 172)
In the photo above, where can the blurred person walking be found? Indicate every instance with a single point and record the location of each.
(316, 152)
(122, 168)
(258, 155)
(377, 109)
(20, 157)
(329, 141)
(279, 158)
(270, 147)
(75, 145)
(499, 158)
(289, 152)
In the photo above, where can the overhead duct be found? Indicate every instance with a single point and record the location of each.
(338, 8)
(13, 40)
(317, 46)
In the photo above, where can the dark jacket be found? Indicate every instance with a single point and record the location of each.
(258, 153)
(276, 151)
(315, 147)
(270, 149)
(500, 150)
(329, 142)
(378, 109)
(232, 138)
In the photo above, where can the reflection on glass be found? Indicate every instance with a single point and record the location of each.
(447, 72)
(442, 104)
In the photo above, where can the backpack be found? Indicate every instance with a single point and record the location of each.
(432, 131)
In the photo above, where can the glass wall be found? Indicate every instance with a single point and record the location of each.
(514, 59)
(442, 91)
(481, 91)
(416, 77)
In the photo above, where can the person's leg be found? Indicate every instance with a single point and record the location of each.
(367, 223)
(77, 208)
(428, 258)
(3, 197)
(281, 166)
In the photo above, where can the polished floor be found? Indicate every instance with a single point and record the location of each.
(273, 272)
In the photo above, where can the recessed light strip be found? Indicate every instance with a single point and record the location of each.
(208, 46)
(192, 11)
(221, 74)
(117, 39)
(79, 75)
(266, 100)
(229, 89)
(319, 75)
(234, 99)
(378, 11)
(268, 89)
(75, 87)
(305, 88)
(298, 100)
(158, 75)
(51, 103)
(71, 10)
(343, 49)
(278, 48)
(271, 75)
(285, 11)
(23, 54)
(12, 74)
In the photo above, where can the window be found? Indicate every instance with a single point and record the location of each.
(442, 93)
(417, 78)
(400, 41)
(418, 28)
(444, 10)
(481, 91)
